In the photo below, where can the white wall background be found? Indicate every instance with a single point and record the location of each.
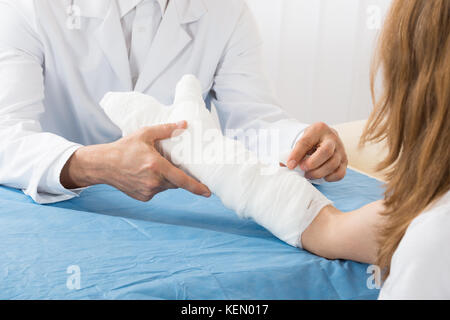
(318, 54)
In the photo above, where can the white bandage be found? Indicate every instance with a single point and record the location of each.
(277, 198)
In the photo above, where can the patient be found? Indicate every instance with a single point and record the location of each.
(412, 115)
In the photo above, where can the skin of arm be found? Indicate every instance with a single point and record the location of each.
(345, 235)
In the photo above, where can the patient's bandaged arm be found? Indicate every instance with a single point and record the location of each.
(279, 199)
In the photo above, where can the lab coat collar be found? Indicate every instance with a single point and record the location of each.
(188, 10)
(170, 39)
(110, 38)
(126, 6)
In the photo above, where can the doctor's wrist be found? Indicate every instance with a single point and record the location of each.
(86, 167)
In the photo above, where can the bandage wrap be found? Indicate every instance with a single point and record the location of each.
(280, 200)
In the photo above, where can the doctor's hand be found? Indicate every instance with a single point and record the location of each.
(320, 153)
(132, 164)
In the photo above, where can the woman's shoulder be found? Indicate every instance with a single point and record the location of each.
(420, 267)
(429, 232)
(433, 218)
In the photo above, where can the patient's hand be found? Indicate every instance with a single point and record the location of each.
(132, 164)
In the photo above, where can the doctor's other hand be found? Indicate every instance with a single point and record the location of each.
(320, 153)
(132, 164)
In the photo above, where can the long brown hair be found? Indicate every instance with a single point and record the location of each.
(412, 113)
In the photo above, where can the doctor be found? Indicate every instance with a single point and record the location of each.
(59, 58)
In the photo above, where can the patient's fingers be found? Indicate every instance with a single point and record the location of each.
(180, 179)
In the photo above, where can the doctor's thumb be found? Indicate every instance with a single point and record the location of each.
(164, 131)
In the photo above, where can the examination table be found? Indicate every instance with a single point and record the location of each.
(177, 246)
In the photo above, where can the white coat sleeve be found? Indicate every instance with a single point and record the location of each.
(242, 93)
(30, 159)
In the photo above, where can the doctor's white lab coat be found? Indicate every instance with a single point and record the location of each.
(54, 70)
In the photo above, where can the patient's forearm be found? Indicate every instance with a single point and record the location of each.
(279, 199)
(351, 235)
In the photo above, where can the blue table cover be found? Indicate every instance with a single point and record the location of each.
(177, 246)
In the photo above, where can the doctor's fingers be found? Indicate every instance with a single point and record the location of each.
(163, 131)
(166, 185)
(149, 189)
(339, 174)
(327, 168)
(324, 152)
(182, 180)
(312, 136)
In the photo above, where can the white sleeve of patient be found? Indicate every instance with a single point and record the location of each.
(279, 199)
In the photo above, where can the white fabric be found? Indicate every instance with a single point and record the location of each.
(140, 21)
(420, 265)
(277, 198)
(86, 56)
